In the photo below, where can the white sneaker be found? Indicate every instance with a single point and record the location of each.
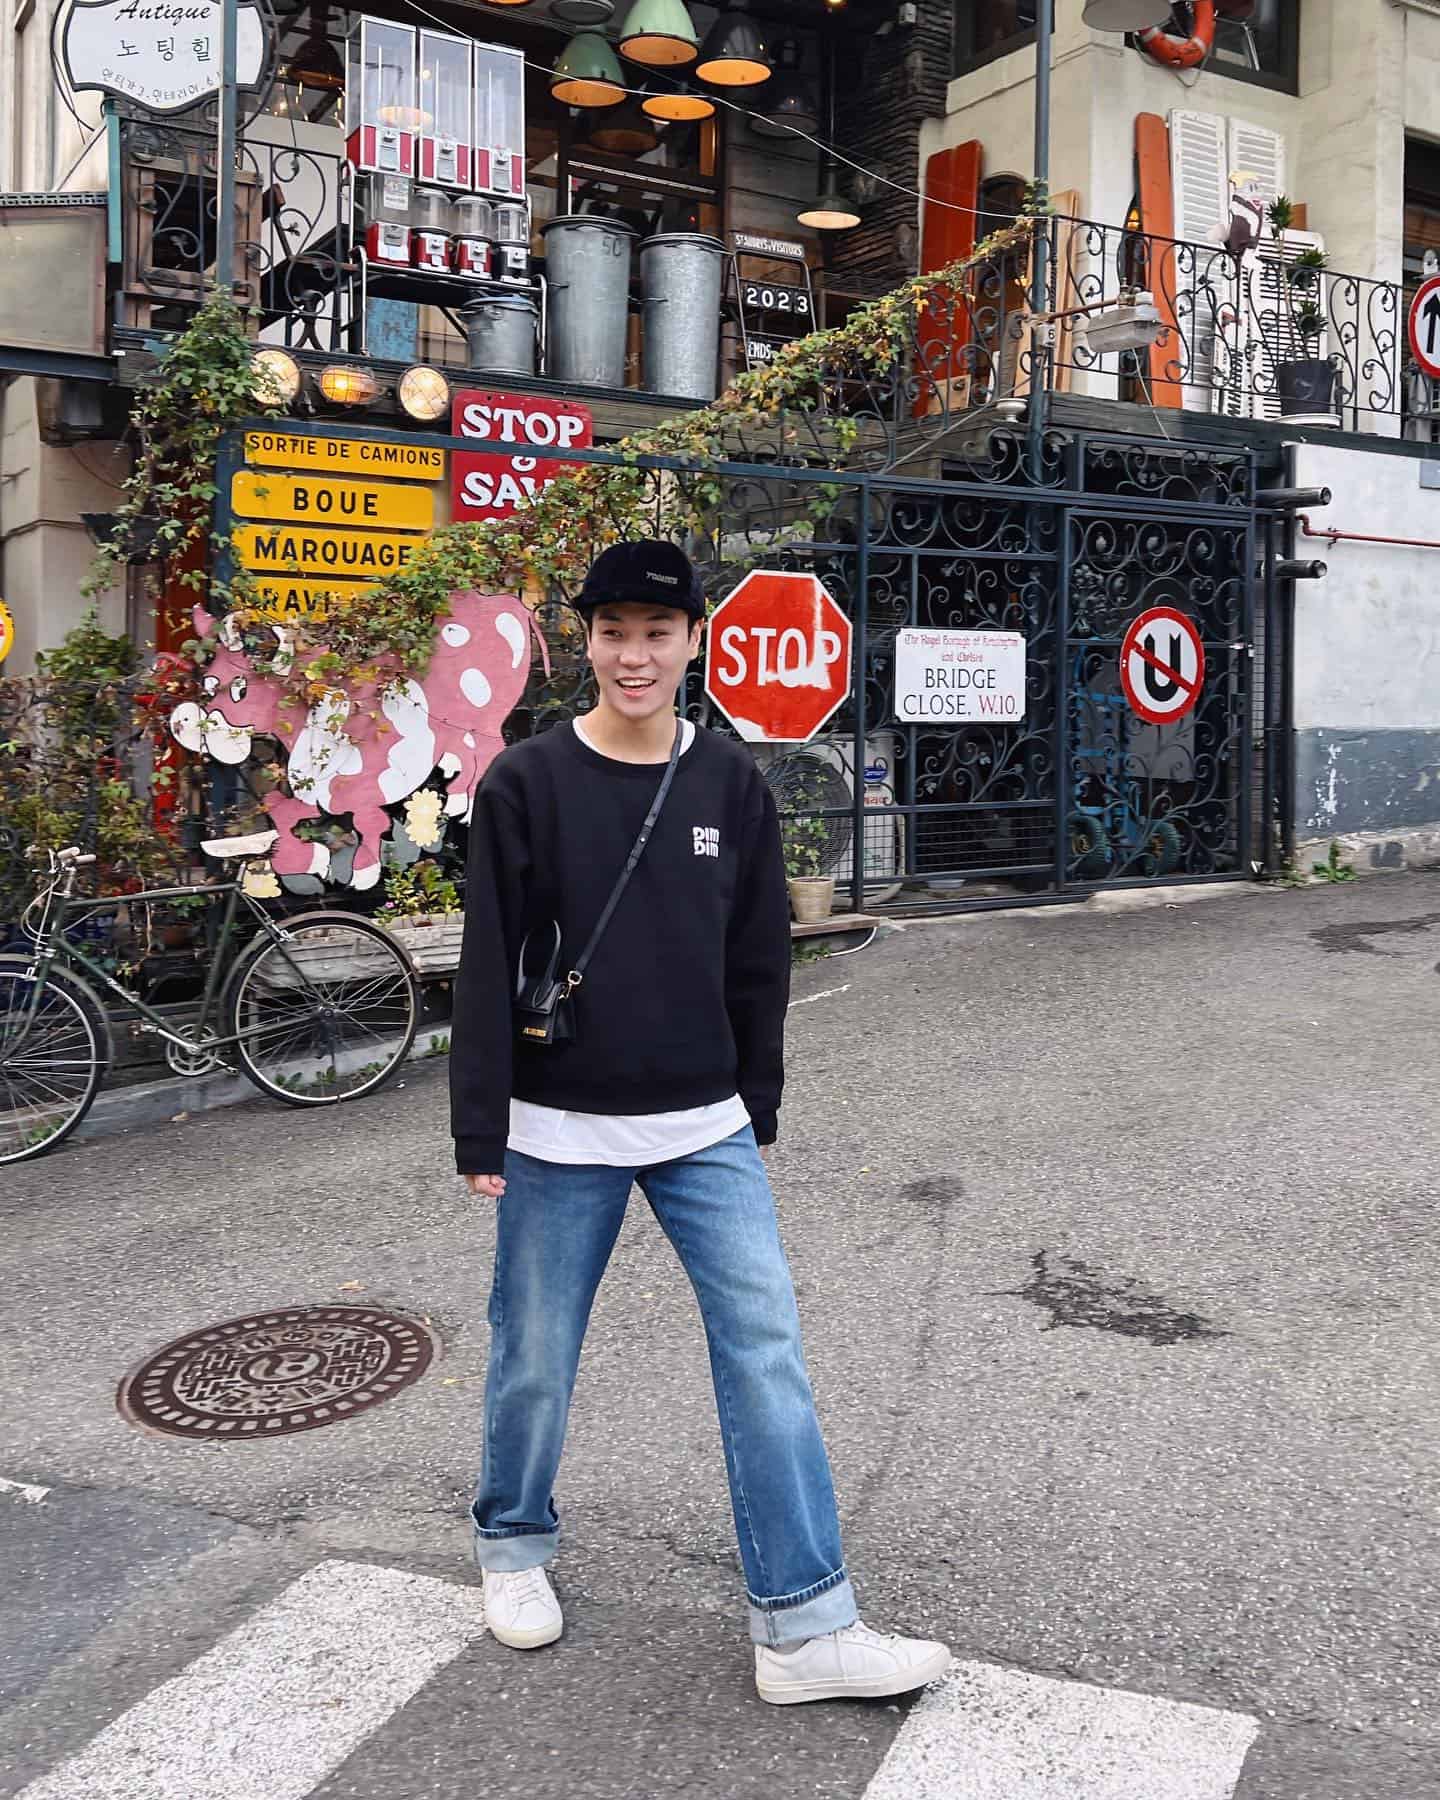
(854, 1664)
(521, 1609)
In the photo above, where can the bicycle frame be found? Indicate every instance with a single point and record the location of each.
(52, 947)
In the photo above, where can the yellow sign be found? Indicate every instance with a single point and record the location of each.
(299, 550)
(282, 597)
(345, 456)
(7, 631)
(311, 500)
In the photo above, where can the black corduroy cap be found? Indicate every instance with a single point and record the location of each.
(645, 570)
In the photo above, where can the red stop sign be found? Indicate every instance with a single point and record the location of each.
(777, 658)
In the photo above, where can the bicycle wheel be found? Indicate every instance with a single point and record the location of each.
(328, 1014)
(51, 1063)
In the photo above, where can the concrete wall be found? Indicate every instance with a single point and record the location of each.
(1367, 659)
(45, 550)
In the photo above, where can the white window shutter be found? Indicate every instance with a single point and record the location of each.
(1199, 176)
(1258, 151)
(1273, 338)
(1199, 184)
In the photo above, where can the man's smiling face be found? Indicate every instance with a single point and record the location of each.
(639, 652)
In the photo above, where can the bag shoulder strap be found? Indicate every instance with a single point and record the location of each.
(583, 962)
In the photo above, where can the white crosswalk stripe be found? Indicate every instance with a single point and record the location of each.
(986, 1733)
(277, 1705)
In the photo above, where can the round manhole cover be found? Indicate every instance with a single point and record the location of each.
(276, 1372)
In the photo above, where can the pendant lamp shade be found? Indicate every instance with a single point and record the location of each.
(659, 33)
(577, 12)
(830, 212)
(587, 73)
(1125, 15)
(625, 131)
(678, 106)
(789, 102)
(733, 54)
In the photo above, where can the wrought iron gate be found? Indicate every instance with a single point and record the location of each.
(1082, 792)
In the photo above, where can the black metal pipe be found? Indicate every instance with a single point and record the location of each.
(1269, 727)
(1285, 602)
(1040, 243)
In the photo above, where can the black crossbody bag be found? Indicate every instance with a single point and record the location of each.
(543, 1013)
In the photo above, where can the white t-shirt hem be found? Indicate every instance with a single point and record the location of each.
(618, 1141)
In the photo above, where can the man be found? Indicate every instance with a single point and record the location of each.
(671, 1080)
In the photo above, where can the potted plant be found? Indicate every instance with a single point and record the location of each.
(805, 838)
(1304, 381)
(423, 911)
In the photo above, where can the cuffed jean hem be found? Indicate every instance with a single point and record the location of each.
(510, 1551)
(789, 1622)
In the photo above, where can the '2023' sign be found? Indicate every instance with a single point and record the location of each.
(487, 485)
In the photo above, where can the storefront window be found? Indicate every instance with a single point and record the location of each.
(985, 29)
(1263, 48)
(1260, 47)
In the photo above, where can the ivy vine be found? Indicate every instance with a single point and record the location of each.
(388, 634)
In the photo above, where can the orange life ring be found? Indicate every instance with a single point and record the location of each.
(1178, 52)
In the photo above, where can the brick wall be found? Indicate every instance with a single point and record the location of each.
(888, 84)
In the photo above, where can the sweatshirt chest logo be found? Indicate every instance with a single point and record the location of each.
(707, 840)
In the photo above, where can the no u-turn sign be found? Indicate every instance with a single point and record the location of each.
(1162, 665)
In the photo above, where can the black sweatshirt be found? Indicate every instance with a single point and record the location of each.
(684, 1001)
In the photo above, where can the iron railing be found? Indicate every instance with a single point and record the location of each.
(1233, 327)
(292, 253)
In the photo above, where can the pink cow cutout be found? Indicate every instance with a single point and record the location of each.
(339, 760)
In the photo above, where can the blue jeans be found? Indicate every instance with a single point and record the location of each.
(556, 1228)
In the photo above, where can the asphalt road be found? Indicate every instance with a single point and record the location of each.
(1115, 1238)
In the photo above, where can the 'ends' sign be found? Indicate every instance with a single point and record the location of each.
(489, 486)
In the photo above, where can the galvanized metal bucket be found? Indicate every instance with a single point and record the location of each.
(681, 275)
(500, 333)
(588, 281)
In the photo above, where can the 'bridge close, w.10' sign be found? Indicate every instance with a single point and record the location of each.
(955, 675)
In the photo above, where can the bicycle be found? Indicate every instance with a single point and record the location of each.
(314, 1009)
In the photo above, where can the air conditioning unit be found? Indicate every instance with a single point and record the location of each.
(820, 774)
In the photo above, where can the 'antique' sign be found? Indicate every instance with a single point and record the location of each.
(163, 55)
(487, 486)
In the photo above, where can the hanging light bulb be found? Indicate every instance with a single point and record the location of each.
(789, 103)
(733, 54)
(679, 105)
(316, 64)
(659, 33)
(830, 212)
(587, 73)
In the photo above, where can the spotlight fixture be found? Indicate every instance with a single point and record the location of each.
(274, 377)
(587, 73)
(680, 105)
(423, 393)
(343, 386)
(733, 54)
(830, 212)
(659, 33)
